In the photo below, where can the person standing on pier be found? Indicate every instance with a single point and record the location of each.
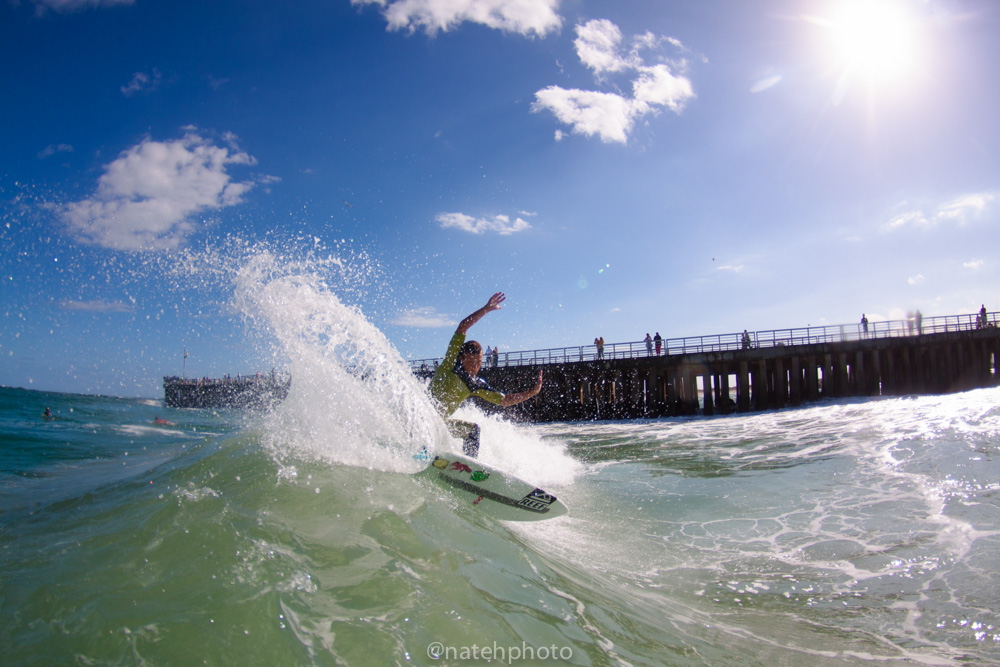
(864, 325)
(457, 378)
(659, 343)
(649, 345)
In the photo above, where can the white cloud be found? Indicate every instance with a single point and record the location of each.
(657, 86)
(73, 5)
(500, 224)
(964, 207)
(95, 306)
(974, 264)
(52, 149)
(907, 219)
(648, 40)
(959, 211)
(526, 17)
(142, 83)
(598, 45)
(425, 317)
(612, 115)
(589, 112)
(147, 198)
(915, 280)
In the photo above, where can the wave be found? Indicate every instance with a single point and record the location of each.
(842, 532)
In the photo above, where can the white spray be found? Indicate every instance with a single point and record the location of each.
(353, 399)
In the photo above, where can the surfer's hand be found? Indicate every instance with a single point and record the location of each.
(521, 396)
(492, 304)
(495, 301)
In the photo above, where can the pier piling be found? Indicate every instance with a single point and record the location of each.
(722, 374)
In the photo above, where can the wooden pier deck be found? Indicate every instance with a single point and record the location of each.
(773, 369)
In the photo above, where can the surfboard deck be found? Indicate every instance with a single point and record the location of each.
(492, 491)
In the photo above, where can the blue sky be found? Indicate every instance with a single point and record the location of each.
(616, 167)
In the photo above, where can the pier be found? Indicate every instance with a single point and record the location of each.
(749, 371)
(242, 392)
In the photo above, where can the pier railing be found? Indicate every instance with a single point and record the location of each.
(735, 341)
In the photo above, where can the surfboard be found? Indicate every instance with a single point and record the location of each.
(492, 491)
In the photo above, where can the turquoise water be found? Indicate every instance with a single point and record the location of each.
(845, 533)
(856, 532)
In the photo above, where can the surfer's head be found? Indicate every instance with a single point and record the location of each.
(471, 356)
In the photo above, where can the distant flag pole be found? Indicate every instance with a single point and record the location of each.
(184, 365)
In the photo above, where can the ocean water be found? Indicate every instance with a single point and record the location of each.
(842, 533)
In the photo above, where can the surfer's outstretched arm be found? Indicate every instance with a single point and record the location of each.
(493, 304)
(514, 399)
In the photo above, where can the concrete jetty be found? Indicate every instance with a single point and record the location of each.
(242, 392)
(750, 371)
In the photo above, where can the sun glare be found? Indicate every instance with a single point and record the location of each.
(873, 39)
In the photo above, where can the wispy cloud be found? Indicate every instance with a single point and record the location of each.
(915, 280)
(731, 268)
(609, 114)
(526, 17)
(73, 5)
(95, 306)
(966, 206)
(147, 198)
(215, 83)
(142, 83)
(425, 317)
(501, 224)
(973, 264)
(958, 211)
(52, 149)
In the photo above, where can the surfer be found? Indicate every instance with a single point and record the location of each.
(457, 378)
(47, 415)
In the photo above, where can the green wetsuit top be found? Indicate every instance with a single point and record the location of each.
(451, 384)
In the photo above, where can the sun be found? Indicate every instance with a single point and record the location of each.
(872, 41)
(873, 37)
